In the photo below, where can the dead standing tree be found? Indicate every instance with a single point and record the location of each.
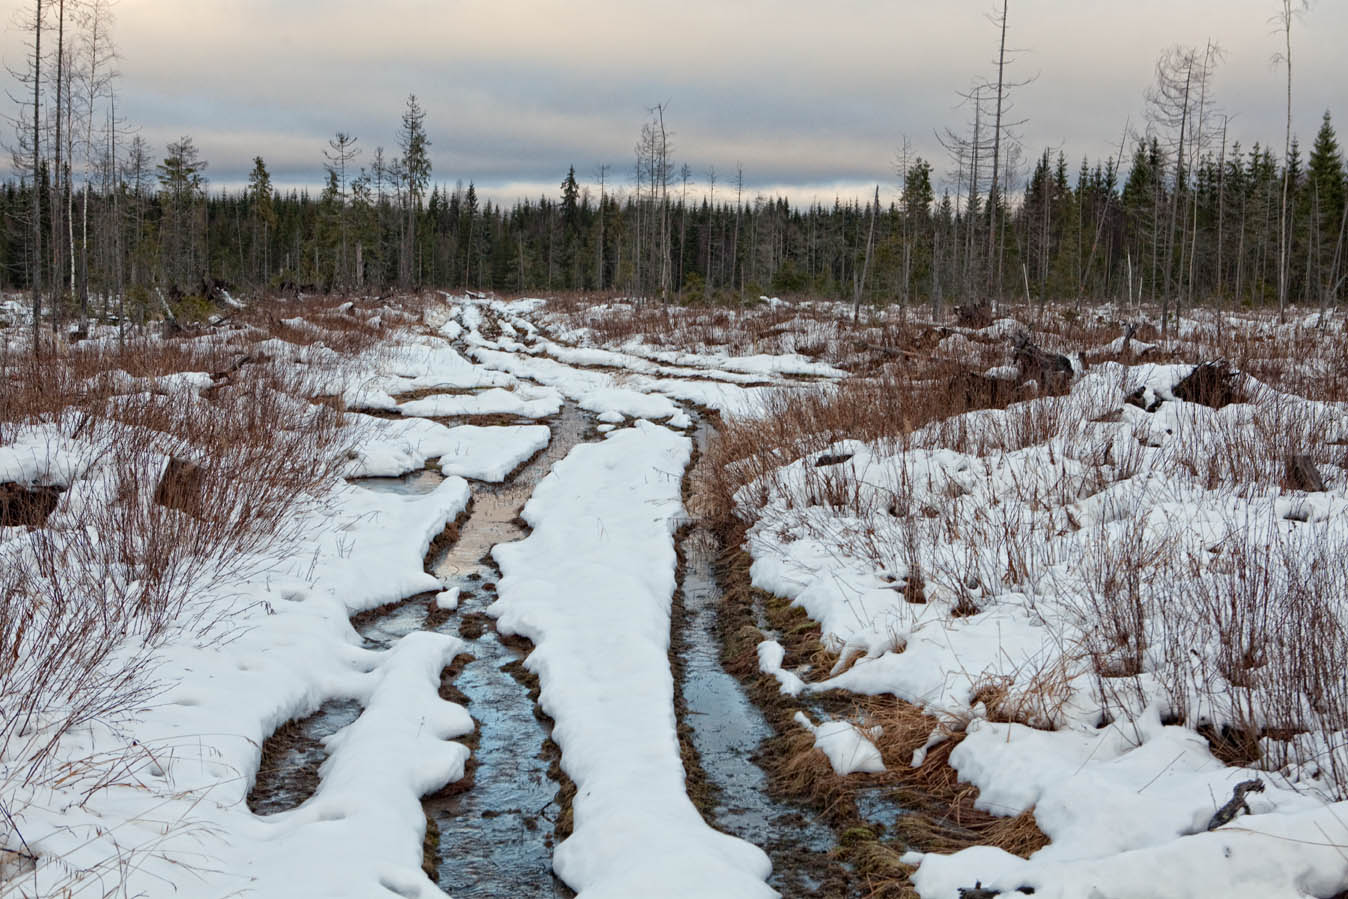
(859, 278)
(967, 154)
(998, 187)
(341, 152)
(1182, 78)
(1287, 12)
(27, 155)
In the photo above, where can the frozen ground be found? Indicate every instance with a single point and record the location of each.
(1100, 578)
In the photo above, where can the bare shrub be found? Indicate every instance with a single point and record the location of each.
(119, 564)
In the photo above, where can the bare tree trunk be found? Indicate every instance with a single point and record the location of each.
(970, 214)
(994, 194)
(735, 243)
(58, 260)
(1335, 280)
(599, 262)
(1181, 176)
(684, 174)
(1197, 144)
(663, 173)
(710, 284)
(37, 178)
(1221, 210)
(859, 282)
(1284, 254)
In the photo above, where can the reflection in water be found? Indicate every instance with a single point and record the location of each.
(728, 728)
(496, 838)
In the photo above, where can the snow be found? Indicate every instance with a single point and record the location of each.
(847, 748)
(40, 455)
(1032, 526)
(523, 402)
(770, 657)
(1021, 517)
(361, 832)
(592, 588)
(178, 809)
(490, 454)
(594, 391)
(389, 448)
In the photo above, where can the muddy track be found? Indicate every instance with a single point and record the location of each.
(491, 833)
(727, 737)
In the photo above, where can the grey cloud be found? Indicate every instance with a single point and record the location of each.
(809, 99)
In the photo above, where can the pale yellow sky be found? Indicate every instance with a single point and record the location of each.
(811, 98)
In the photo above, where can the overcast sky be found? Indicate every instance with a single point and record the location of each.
(812, 98)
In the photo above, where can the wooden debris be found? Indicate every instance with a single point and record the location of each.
(180, 487)
(832, 459)
(1236, 804)
(974, 315)
(22, 506)
(1053, 372)
(1213, 384)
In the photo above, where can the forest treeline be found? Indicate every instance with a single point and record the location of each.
(1075, 231)
(99, 223)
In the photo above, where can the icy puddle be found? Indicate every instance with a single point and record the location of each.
(288, 774)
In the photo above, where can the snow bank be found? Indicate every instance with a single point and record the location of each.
(388, 448)
(489, 454)
(176, 817)
(594, 391)
(523, 402)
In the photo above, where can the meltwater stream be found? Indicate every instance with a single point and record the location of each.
(493, 832)
(491, 835)
(728, 729)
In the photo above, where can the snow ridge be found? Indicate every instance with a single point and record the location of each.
(592, 588)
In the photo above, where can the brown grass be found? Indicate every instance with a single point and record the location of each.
(942, 816)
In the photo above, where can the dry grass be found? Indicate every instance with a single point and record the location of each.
(1272, 691)
(941, 813)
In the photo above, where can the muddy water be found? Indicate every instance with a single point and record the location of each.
(727, 730)
(493, 833)
(496, 507)
(495, 838)
(291, 758)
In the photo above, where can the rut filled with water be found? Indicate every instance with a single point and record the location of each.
(491, 835)
(728, 730)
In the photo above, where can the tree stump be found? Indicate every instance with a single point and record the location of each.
(28, 507)
(181, 487)
(1053, 372)
(1303, 475)
(1212, 384)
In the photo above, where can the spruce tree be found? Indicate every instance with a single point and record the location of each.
(262, 216)
(1323, 202)
(183, 189)
(416, 174)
